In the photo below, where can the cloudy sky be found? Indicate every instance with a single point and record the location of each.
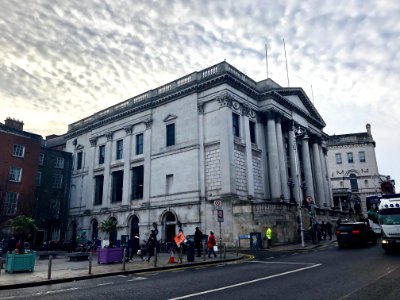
(61, 61)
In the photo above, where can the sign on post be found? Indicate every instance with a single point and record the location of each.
(217, 203)
(220, 215)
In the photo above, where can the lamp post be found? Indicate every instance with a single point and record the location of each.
(298, 132)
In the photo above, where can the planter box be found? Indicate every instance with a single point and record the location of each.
(20, 262)
(109, 255)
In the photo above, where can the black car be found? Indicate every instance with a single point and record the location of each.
(358, 233)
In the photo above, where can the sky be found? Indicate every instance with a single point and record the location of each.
(61, 61)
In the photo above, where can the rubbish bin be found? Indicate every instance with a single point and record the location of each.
(190, 250)
(255, 240)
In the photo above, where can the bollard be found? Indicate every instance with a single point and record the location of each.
(220, 250)
(90, 263)
(155, 256)
(224, 251)
(124, 259)
(49, 269)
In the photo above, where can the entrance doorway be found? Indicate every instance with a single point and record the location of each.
(134, 226)
(170, 227)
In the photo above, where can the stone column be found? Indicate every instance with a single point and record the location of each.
(307, 167)
(126, 192)
(328, 180)
(107, 175)
(326, 201)
(318, 174)
(226, 146)
(273, 159)
(249, 155)
(91, 181)
(202, 171)
(295, 170)
(282, 160)
(147, 160)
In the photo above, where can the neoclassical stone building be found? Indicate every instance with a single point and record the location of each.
(165, 158)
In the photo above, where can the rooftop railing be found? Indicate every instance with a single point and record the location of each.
(164, 89)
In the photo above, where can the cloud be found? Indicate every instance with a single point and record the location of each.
(64, 60)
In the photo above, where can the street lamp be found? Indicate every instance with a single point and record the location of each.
(297, 133)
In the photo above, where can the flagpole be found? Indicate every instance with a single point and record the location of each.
(287, 71)
(266, 58)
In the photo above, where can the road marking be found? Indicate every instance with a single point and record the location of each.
(220, 265)
(137, 278)
(105, 283)
(9, 297)
(281, 262)
(245, 282)
(122, 276)
(53, 291)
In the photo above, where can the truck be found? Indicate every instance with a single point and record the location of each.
(389, 220)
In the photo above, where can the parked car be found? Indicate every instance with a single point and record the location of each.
(357, 233)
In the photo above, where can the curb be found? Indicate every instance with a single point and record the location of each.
(92, 276)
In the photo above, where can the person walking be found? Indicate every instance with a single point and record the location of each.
(268, 236)
(151, 244)
(198, 237)
(211, 242)
(323, 230)
(329, 230)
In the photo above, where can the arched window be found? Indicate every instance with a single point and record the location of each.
(170, 224)
(134, 226)
(353, 182)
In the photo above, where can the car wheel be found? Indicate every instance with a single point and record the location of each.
(341, 245)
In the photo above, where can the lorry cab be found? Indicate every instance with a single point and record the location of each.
(389, 220)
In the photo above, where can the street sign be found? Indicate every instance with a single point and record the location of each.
(309, 199)
(217, 203)
(220, 215)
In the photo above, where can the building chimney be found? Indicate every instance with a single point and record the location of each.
(369, 129)
(14, 123)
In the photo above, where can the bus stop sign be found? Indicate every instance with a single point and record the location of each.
(220, 215)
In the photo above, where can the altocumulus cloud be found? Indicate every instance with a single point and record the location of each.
(64, 60)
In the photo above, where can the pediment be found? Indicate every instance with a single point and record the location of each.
(170, 118)
(79, 147)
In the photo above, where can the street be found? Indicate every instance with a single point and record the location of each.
(322, 273)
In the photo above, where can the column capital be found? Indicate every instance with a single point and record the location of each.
(200, 108)
(225, 100)
(109, 136)
(148, 123)
(128, 129)
(93, 141)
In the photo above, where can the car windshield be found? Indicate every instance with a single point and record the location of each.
(389, 219)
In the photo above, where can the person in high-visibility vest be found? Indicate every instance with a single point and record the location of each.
(268, 236)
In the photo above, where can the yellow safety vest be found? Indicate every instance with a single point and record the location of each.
(268, 233)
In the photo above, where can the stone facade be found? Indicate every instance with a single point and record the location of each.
(165, 158)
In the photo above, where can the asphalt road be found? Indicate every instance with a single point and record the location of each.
(330, 273)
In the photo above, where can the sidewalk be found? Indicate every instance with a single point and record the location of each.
(63, 270)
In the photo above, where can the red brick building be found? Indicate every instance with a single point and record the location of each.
(19, 156)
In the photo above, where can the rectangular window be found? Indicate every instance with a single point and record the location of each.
(60, 163)
(117, 186)
(98, 189)
(15, 174)
(38, 179)
(18, 150)
(41, 159)
(57, 181)
(139, 143)
(170, 134)
(350, 157)
(120, 149)
(137, 182)
(252, 127)
(102, 154)
(361, 155)
(235, 125)
(338, 158)
(79, 160)
(169, 183)
(11, 203)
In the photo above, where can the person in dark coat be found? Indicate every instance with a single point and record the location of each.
(198, 237)
(151, 244)
(329, 229)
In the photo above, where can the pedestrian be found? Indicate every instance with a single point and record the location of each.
(198, 237)
(151, 244)
(211, 242)
(329, 230)
(323, 230)
(268, 236)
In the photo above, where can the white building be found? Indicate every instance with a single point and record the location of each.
(166, 157)
(354, 170)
